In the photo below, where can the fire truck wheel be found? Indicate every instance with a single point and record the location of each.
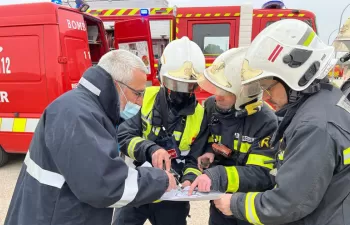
(4, 157)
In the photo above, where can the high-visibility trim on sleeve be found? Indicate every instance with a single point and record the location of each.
(232, 179)
(41, 175)
(177, 135)
(131, 188)
(245, 146)
(346, 155)
(131, 147)
(259, 160)
(192, 170)
(250, 212)
(213, 137)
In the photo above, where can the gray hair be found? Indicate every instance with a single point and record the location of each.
(120, 64)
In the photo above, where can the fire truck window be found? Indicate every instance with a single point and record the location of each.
(308, 22)
(213, 39)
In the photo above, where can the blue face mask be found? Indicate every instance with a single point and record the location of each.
(130, 110)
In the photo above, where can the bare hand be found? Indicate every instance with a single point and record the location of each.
(203, 183)
(159, 157)
(223, 204)
(172, 181)
(186, 183)
(205, 157)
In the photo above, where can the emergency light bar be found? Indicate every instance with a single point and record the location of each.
(59, 2)
(273, 5)
(144, 12)
(81, 5)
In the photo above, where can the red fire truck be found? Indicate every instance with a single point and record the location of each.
(45, 48)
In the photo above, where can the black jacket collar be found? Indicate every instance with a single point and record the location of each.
(100, 83)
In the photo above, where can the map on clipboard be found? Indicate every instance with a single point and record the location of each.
(182, 195)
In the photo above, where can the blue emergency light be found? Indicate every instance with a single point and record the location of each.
(273, 5)
(81, 5)
(144, 12)
(59, 2)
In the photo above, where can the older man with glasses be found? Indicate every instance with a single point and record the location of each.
(72, 173)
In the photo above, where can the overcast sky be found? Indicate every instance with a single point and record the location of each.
(327, 12)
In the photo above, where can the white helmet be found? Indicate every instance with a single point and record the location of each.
(223, 77)
(181, 63)
(291, 51)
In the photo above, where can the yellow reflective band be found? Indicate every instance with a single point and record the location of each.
(309, 39)
(192, 128)
(212, 137)
(156, 130)
(146, 109)
(131, 147)
(244, 146)
(346, 155)
(192, 170)
(19, 125)
(259, 160)
(157, 201)
(281, 156)
(232, 179)
(133, 12)
(109, 12)
(177, 135)
(171, 31)
(250, 212)
(121, 12)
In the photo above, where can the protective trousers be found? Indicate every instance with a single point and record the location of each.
(217, 218)
(162, 213)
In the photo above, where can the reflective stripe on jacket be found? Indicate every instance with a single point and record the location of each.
(72, 173)
(312, 177)
(137, 136)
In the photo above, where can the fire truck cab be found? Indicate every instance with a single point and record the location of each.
(44, 50)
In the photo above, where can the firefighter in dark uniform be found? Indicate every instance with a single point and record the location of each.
(239, 131)
(313, 161)
(164, 132)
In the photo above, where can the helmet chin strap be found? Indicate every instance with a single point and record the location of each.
(315, 87)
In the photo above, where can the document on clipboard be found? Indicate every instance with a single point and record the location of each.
(182, 195)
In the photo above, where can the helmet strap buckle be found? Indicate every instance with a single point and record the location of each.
(294, 96)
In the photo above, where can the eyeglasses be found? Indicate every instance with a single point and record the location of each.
(268, 88)
(138, 94)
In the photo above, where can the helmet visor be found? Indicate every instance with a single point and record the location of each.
(251, 90)
(181, 80)
(214, 81)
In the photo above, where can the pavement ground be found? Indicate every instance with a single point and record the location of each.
(9, 174)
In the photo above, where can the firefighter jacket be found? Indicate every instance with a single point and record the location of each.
(248, 136)
(72, 174)
(313, 169)
(138, 136)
